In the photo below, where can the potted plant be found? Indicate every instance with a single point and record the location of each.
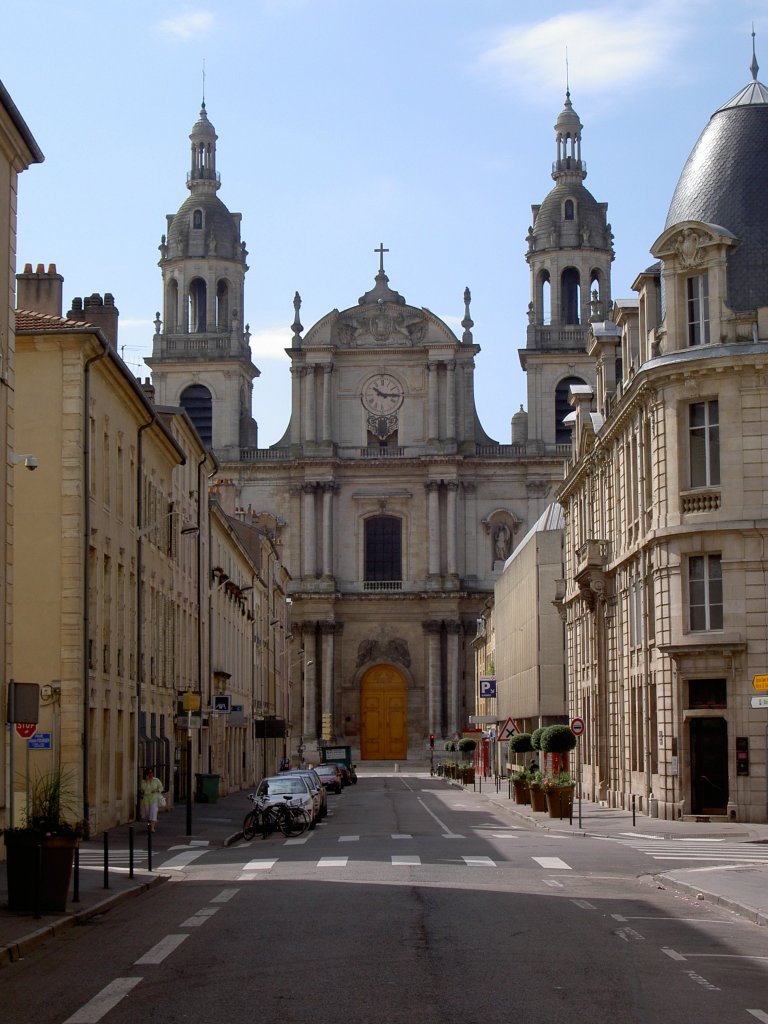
(558, 790)
(41, 851)
(538, 797)
(520, 743)
(466, 746)
(557, 740)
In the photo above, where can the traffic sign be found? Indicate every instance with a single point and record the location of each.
(40, 741)
(26, 729)
(760, 682)
(760, 702)
(507, 731)
(487, 686)
(577, 726)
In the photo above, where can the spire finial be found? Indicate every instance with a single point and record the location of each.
(381, 250)
(203, 82)
(467, 323)
(567, 76)
(296, 326)
(754, 66)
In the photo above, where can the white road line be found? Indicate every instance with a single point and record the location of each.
(629, 933)
(225, 896)
(552, 883)
(348, 839)
(640, 835)
(182, 859)
(552, 863)
(296, 841)
(586, 905)
(199, 918)
(191, 843)
(672, 954)
(259, 865)
(104, 1001)
(406, 860)
(332, 862)
(479, 862)
(164, 948)
(401, 835)
(504, 835)
(759, 1015)
(446, 831)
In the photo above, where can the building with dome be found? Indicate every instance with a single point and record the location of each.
(393, 510)
(665, 597)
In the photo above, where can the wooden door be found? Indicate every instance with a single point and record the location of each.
(383, 715)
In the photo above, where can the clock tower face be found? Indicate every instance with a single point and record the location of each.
(382, 394)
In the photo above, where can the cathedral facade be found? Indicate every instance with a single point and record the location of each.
(393, 509)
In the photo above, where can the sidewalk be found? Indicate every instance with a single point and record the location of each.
(743, 889)
(212, 825)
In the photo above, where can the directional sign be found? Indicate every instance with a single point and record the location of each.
(40, 741)
(507, 731)
(760, 702)
(487, 686)
(222, 703)
(26, 729)
(760, 682)
(577, 726)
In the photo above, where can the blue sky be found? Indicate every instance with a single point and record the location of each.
(425, 124)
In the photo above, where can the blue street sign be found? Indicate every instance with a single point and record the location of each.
(40, 741)
(487, 686)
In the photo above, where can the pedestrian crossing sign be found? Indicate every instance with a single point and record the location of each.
(507, 731)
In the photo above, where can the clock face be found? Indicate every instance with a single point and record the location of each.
(382, 394)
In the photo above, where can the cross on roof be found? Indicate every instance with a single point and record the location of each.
(381, 250)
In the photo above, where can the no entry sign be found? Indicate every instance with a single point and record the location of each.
(577, 726)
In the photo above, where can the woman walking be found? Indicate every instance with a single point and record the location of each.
(151, 795)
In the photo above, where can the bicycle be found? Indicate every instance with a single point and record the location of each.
(269, 817)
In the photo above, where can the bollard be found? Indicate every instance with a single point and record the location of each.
(106, 859)
(38, 880)
(130, 851)
(149, 846)
(633, 811)
(397, 767)
(76, 873)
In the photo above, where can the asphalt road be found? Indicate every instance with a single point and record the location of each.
(409, 905)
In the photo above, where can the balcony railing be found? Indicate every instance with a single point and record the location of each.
(382, 585)
(593, 554)
(700, 501)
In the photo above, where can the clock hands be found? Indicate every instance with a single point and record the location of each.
(387, 394)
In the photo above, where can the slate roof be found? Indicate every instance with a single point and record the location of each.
(724, 182)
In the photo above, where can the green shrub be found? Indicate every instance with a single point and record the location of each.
(557, 739)
(536, 738)
(467, 744)
(521, 743)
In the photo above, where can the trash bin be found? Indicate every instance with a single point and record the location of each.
(207, 788)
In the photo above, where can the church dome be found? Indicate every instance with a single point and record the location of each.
(723, 182)
(589, 216)
(218, 233)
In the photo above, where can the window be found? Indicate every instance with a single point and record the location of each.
(383, 549)
(704, 431)
(197, 402)
(563, 408)
(197, 219)
(697, 293)
(705, 592)
(568, 213)
(707, 693)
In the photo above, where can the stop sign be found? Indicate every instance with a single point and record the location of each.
(26, 729)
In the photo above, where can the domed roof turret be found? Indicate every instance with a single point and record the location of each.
(723, 182)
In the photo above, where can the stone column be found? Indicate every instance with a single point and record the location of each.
(433, 526)
(327, 380)
(309, 723)
(297, 372)
(450, 400)
(309, 404)
(432, 401)
(328, 631)
(451, 526)
(310, 530)
(329, 488)
(455, 715)
(434, 717)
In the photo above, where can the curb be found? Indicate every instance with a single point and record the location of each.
(17, 950)
(753, 914)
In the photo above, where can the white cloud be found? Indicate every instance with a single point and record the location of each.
(191, 25)
(613, 46)
(270, 343)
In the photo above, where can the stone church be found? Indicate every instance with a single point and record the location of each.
(394, 510)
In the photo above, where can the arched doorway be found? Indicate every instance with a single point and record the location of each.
(383, 714)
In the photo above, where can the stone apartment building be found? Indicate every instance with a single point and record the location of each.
(665, 540)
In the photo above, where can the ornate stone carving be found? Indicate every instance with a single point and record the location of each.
(393, 649)
(688, 247)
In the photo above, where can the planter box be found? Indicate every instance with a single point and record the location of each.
(560, 802)
(538, 798)
(29, 858)
(521, 791)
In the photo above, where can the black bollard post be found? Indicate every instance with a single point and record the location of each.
(149, 846)
(106, 859)
(634, 822)
(130, 851)
(76, 872)
(38, 880)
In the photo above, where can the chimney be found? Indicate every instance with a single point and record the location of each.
(41, 291)
(102, 313)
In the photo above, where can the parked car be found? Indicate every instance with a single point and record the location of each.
(276, 787)
(346, 778)
(330, 776)
(316, 784)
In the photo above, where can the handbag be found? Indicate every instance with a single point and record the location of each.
(162, 803)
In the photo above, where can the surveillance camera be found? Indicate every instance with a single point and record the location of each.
(31, 462)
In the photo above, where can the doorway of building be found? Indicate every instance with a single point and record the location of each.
(709, 766)
(383, 714)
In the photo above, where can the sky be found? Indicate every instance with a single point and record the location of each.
(427, 125)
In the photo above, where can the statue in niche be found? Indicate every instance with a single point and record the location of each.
(502, 542)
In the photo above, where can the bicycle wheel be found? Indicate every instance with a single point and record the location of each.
(294, 821)
(251, 824)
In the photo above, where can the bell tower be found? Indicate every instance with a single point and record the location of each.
(570, 250)
(201, 358)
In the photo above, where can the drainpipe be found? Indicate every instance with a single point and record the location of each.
(139, 598)
(86, 565)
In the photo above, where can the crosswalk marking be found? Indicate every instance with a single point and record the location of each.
(552, 863)
(332, 862)
(401, 835)
(479, 862)
(707, 850)
(348, 839)
(406, 860)
(260, 865)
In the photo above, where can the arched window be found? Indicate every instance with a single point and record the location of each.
(197, 403)
(570, 296)
(172, 305)
(544, 298)
(198, 312)
(563, 407)
(383, 549)
(222, 305)
(568, 211)
(197, 219)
